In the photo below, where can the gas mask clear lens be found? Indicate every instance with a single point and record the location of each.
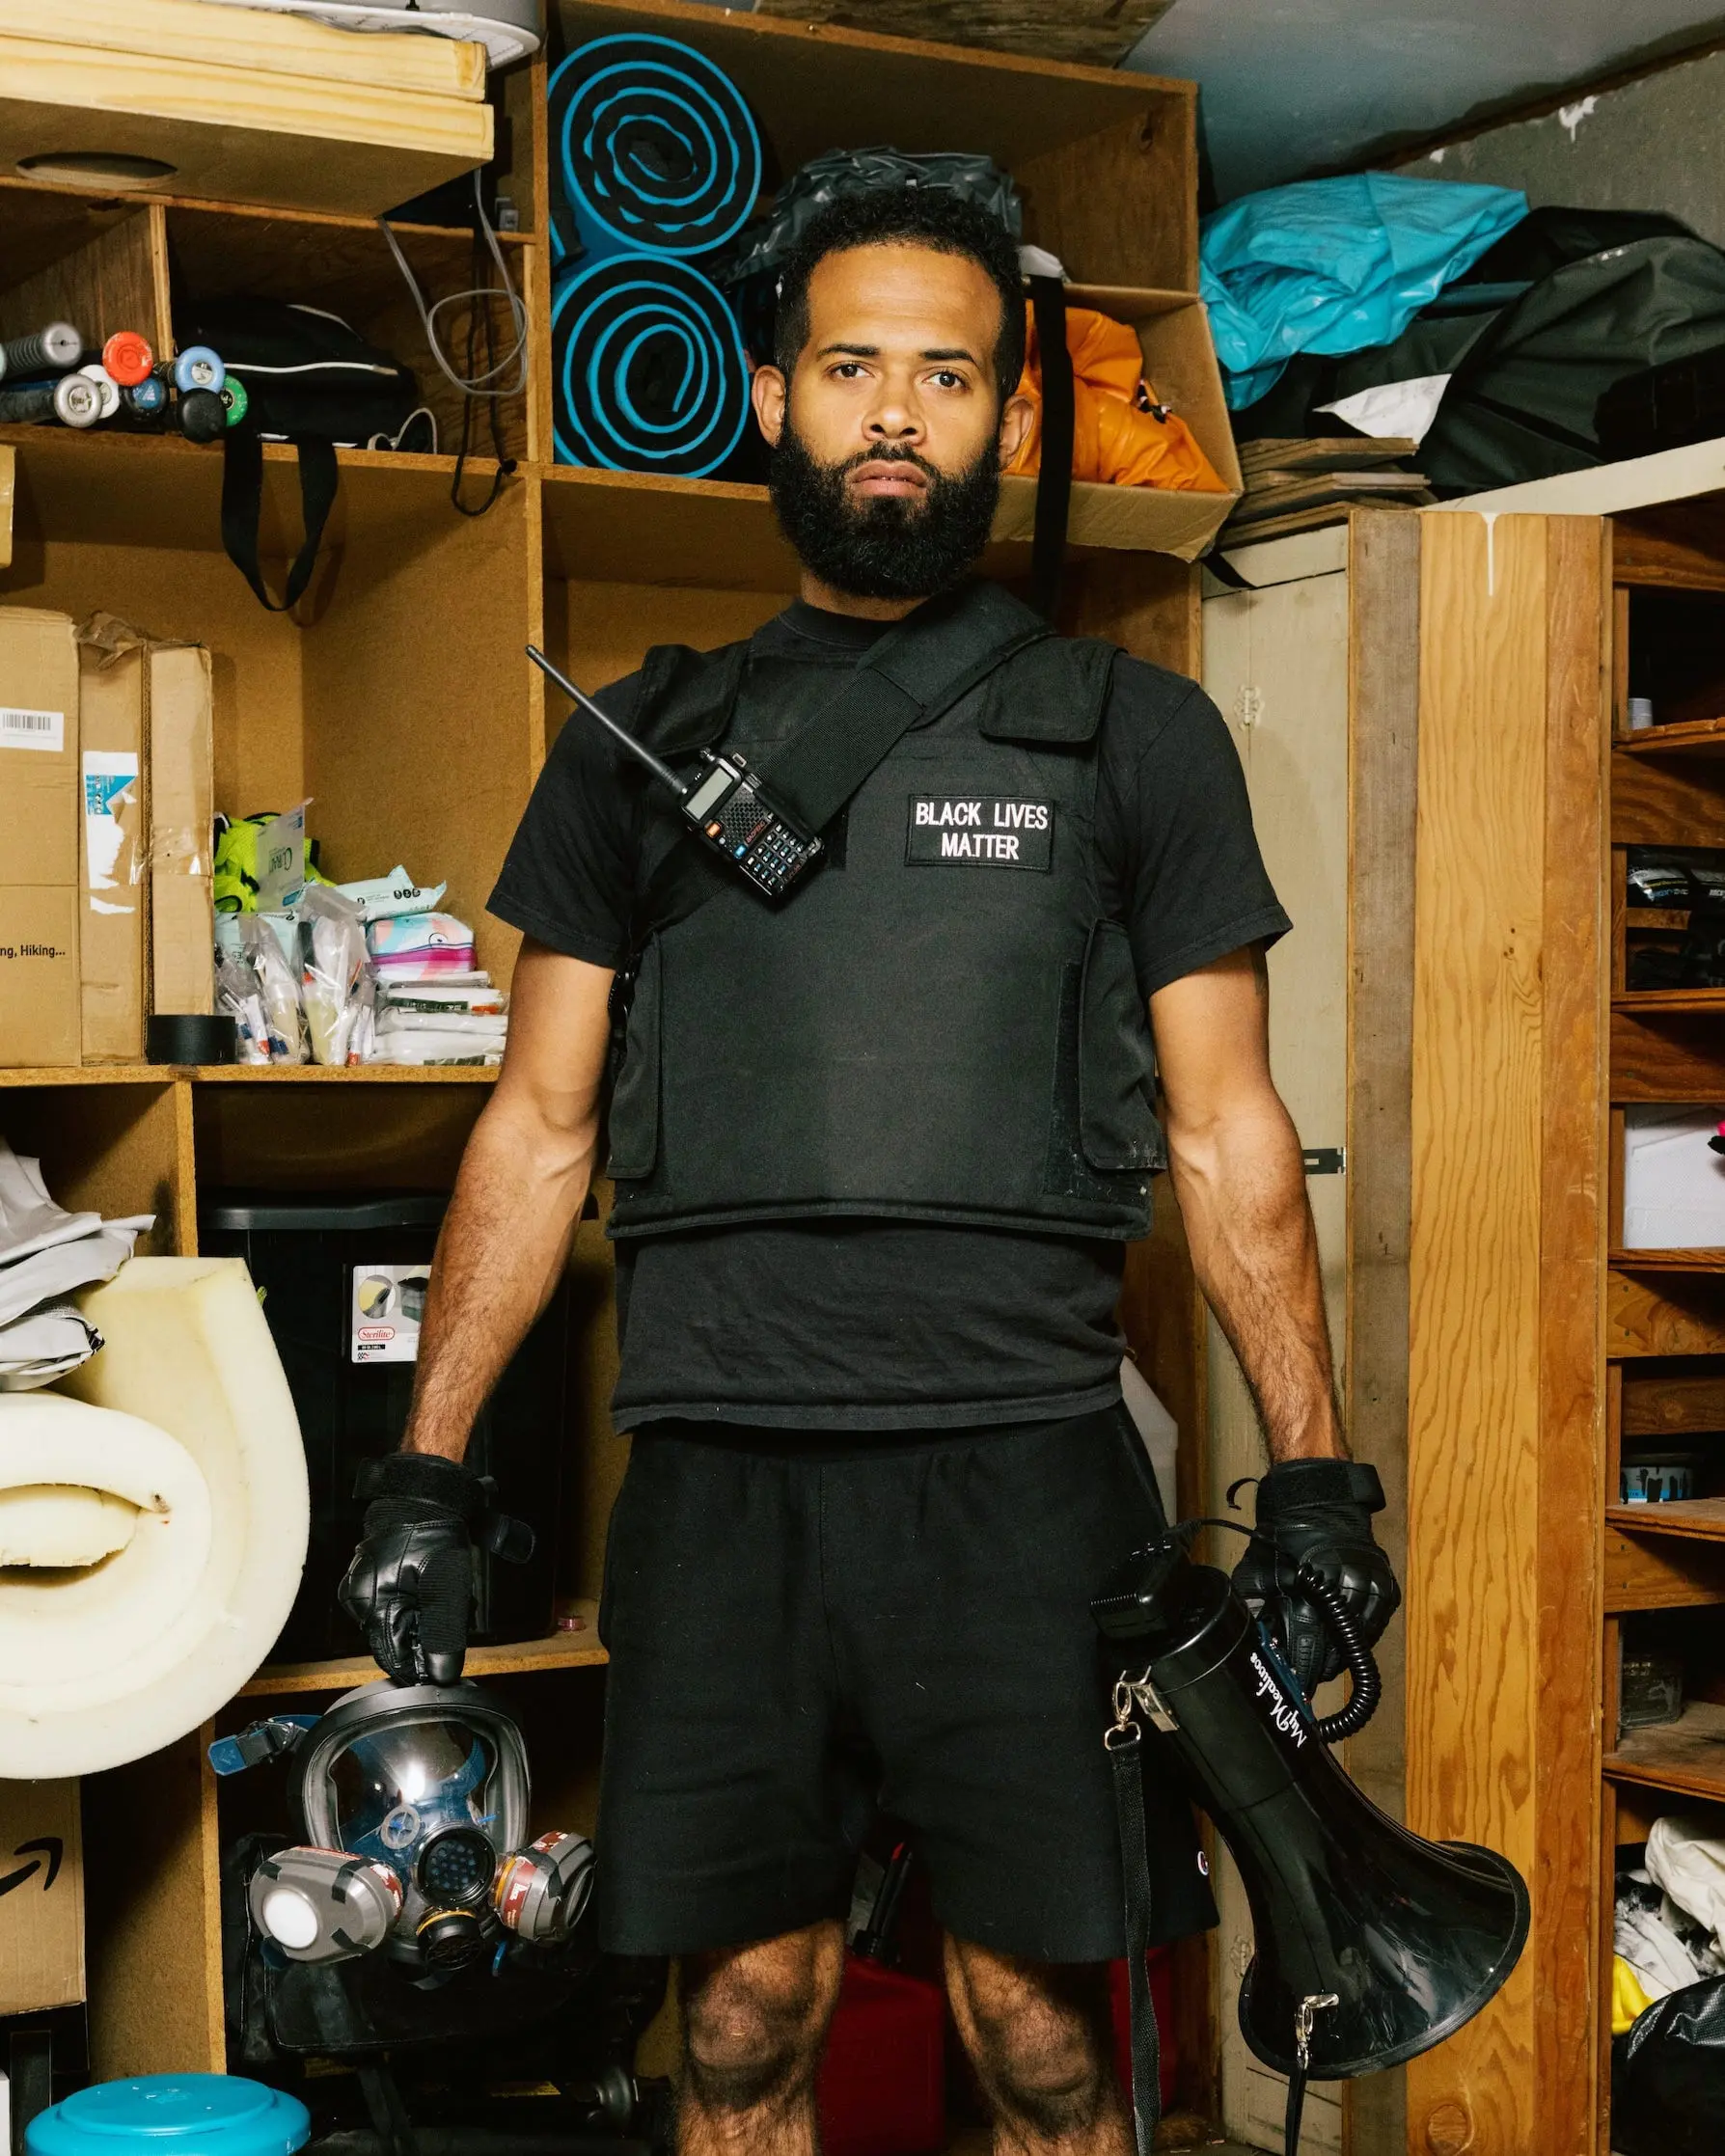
(412, 1801)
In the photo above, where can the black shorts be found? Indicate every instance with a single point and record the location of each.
(799, 1635)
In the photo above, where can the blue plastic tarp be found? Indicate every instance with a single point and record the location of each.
(1334, 266)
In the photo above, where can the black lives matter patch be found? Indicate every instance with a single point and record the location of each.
(973, 830)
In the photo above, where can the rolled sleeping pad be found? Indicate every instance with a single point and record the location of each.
(153, 1518)
(57, 347)
(646, 367)
(651, 148)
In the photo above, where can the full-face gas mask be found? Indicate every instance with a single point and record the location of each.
(412, 1801)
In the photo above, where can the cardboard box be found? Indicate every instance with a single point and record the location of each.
(181, 811)
(115, 852)
(39, 839)
(41, 1897)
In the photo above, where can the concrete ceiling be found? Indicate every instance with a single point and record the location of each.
(1293, 87)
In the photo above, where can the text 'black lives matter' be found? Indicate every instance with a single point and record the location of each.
(970, 830)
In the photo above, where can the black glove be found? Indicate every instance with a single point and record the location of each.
(410, 1586)
(1318, 1513)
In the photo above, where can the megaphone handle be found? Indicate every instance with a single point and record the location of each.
(1362, 1667)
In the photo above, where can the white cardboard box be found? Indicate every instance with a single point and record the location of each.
(1673, 1181)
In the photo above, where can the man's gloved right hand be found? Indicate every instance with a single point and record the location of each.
(410, 1586)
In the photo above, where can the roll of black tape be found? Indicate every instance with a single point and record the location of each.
(652, 147)
(186, 1037)
(647, 367)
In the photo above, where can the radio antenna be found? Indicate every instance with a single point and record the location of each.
(636, 748)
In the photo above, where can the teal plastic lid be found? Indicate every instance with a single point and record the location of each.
(178, 2114)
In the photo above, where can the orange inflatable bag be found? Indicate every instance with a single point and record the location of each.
(1119, 435)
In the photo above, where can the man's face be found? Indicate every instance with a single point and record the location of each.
(889, 437)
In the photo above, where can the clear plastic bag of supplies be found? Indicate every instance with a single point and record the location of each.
(335, 985)
(286, 1022)
(239, 995)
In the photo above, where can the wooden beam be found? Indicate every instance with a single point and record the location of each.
(1092, 32)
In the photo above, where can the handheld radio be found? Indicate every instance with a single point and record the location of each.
(727, 807)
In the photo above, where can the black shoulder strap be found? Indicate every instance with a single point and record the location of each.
(242, 502)
(1054, 472)
(916, 671)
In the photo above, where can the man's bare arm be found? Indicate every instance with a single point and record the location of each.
(1241, 1182)
(524, 1179)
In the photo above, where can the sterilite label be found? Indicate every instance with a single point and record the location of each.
(388, 1304)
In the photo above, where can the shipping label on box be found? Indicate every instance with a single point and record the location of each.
(40, 1001)
(39, 747)
(41, 1897)
(116, 846)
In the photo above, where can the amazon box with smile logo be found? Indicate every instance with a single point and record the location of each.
(41, 1897)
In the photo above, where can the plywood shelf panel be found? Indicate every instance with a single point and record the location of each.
(263, 1074)
(1671, 1002)
(579, 1649)
(1671, 1052)
(1697, 1518)
(157, 490)
(1669, 1261)
(1686, 1756)
(1693, 737)
(1651, 1570)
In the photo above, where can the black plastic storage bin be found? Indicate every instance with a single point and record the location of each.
(337, 1274)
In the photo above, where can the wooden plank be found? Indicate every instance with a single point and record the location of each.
(235, 134)
(1686, 1756)
(1688, 737)
(1703, 1518)
(1669, 1261)
(1653, 1313)
(577, 1648)
(1667, 800)
(1650, 1002)
(1679, 546)
(105, 283)
(1670, 1403)
(1382, 772)
(1575, 958)
(1477, 1274)
(1660, 1572)
(152, 1854)
(246, 1073)
(1091, 33)
(248, 37)
(1667, 1055)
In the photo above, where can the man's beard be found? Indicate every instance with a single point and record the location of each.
(882, 546)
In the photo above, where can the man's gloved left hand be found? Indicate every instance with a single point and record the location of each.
(410, 1586)
(1318, 1513)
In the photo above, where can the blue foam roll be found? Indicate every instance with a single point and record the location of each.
(652, 147)
(647, 367)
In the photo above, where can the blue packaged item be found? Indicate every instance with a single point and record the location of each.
(172, 2114)
(648, 371)
(1334, 266)
(651, 148)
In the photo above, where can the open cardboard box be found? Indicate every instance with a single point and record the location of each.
(1179, 363)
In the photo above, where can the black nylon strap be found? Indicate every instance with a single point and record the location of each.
(1126, 1759)
(913, 673)
(1291, 2118)
(1054, 482)
(242, 504)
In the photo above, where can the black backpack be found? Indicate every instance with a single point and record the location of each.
(311, 380)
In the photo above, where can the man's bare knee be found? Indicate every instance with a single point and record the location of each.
(1039, 2040)
(755, 2016)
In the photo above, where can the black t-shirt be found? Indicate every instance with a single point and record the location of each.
(845, 1324)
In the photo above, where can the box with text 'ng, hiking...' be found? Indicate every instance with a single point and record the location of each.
(39, 839)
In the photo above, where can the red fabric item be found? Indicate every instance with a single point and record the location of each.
(1161, 1993)
(883, 2084)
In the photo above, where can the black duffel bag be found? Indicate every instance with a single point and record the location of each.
(311, 380)
(1668, 2075)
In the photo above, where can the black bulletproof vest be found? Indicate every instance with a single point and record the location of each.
(937, 1024)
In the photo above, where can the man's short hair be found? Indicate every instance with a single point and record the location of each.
(905, 217)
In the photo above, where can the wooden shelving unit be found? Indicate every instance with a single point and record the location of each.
(1543, 1350)
(399, 700)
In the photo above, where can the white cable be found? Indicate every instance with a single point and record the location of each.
(429, 315)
